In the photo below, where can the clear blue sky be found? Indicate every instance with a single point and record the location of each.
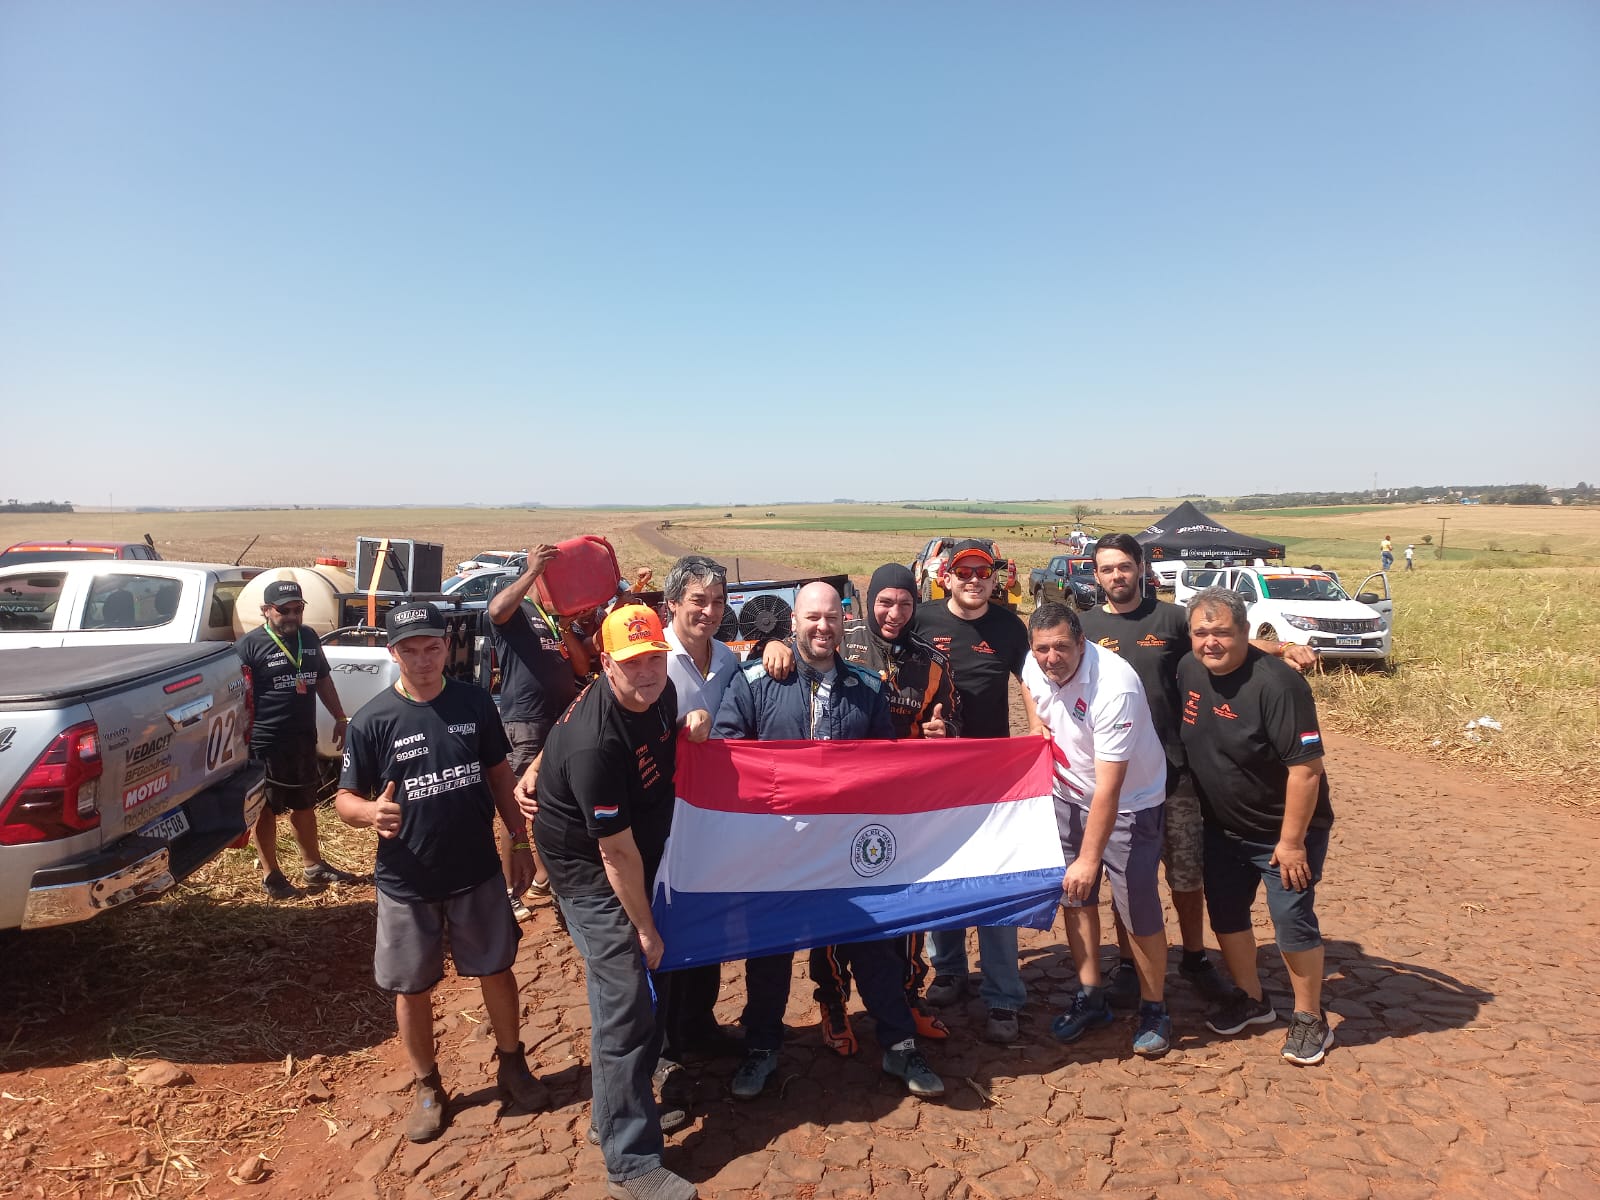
(639, 253)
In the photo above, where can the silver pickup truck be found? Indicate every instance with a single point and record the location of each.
(123, 770)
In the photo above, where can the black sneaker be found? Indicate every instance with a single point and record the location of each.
(1122, 987)
(1308, 1040)
(280, 888)
(1238, 1010)
(1207, 980)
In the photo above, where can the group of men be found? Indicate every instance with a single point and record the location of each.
(1211, 762)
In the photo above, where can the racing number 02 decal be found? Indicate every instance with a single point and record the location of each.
(219, 741)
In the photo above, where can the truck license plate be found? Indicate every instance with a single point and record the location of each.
(1348, 641)
(174, 825)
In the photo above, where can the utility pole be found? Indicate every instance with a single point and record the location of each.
(1439, 553)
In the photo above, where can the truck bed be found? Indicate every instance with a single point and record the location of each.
(54, 676)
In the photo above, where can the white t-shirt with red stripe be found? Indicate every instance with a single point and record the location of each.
(1101, 712)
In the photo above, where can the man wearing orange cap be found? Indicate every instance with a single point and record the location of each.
(605, 809)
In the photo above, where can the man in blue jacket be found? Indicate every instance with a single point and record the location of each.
(825, 699)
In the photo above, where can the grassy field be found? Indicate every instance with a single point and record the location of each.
(1506, 624)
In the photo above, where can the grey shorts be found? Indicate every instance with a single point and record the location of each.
(481, 930)
(527, 739)
(1132, 862)
(1185, 850)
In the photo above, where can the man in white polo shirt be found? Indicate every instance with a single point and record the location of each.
(1110, 791)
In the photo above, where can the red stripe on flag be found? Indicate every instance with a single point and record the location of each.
(861, 777)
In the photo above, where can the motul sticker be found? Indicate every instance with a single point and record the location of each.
(150, 788)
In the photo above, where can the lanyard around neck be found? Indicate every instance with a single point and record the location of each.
(299, 641)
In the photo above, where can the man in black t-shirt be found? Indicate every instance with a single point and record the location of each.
(1249, 726)
(425, 764)
(987, 646)
(1152, 636)
(605, 803)
(288, 675)
(541, 662)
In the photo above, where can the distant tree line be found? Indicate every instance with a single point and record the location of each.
(1508, 493)
(36, 506)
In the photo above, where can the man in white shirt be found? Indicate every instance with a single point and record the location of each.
(700, 668)
(1110, 793)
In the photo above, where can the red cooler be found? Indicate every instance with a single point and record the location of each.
(583, 576)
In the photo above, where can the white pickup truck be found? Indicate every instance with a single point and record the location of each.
(111, 603)
(123, 770)
(116, 603)
(1305, 605)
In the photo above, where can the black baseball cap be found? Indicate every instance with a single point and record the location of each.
(414, 619)
(282, 591)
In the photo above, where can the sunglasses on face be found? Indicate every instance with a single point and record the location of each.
(966, 573)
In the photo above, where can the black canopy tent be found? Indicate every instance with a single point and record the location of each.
(1187, 533)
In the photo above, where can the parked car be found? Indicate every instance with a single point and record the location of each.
(126, 769)
(517, 560)
(1306, 606)
(1066, 579)
(927, 569)
(479, 583)
(76, 548)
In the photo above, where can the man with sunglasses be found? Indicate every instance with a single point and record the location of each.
(987, 646)
(288, 675)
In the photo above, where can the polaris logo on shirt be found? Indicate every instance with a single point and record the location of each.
(449, 779)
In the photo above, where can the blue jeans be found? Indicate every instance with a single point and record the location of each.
(624, 1040)
(997, 958)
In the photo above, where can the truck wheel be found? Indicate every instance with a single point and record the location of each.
(926, 590)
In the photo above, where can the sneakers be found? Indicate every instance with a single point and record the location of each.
(1083, 1016)
(659, 1184)
(1122, 986)
(753, 1073)
(671, 1118)
(836, 1032)
(1153, 1037)
(905, 1062)
(320, 875)
(516, 1083)
(1308, 1040)
(279, 888)
(928, 1025)
(1207, 980)
(519, 910)
(429, 1109)
(1238, 1010)
(1002, 1026)
(945, 990)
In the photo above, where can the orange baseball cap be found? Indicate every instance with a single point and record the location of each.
(632, 630)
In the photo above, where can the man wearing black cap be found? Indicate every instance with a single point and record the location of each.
(987, 646)
(425, 765)
(922, 703)
(288, 674)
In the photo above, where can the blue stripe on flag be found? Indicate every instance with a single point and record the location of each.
(709, 927)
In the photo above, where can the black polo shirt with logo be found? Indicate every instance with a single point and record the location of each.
(1152, 639)
(606, 769)
(1242, 732)
(983, 655)
(438, 754)
(281, 707)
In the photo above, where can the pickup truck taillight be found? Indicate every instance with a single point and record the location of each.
(249, 705)
(59, 796)
(1011, 575)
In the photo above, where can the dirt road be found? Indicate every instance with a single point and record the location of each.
(1462, 923)
(738, 568)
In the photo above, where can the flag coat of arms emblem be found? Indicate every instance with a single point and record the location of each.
(780, 846)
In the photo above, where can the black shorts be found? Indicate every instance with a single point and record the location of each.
(293, 777)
